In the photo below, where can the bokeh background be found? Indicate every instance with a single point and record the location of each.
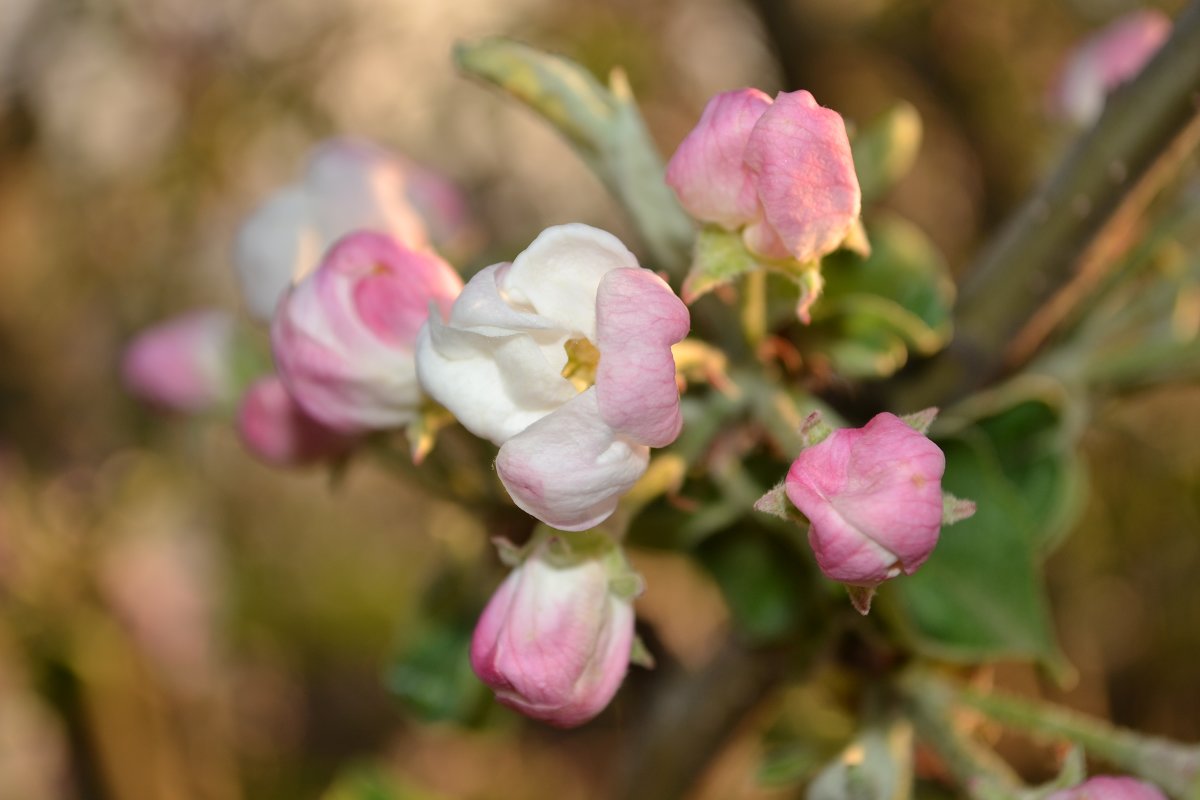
(180, 621)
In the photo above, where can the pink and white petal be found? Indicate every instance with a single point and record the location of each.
(558, 274)
(762, 240)
(638, 318)
(707, 170)
(804, 173)
(274, 247)
(496, 386)
(357, 185)
(570, 468)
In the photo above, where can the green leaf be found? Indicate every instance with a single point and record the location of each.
(604, 126)
(433, 676)
(875, 312)
(885, 149)
(979, 596)
(876, 766)
(372, 783)
(759, 580)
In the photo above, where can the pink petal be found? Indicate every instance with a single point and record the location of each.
(804, 174)
(1106, 60)
(183, 364)
(274, 428)
(1106, 787)
(638, 318)
(707, 171)
(873, 496)
(553, 642)
(570, 468)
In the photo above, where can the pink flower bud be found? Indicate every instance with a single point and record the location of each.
(344, 336)
(1106, 60)
(873, 496)
(554, 641)
(183, 364)
(274, 428)
(1107, 787)
(780, 171)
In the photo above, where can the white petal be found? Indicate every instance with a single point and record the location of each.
(275, 246)
(495, 385)
(356, 185)
(558, 274)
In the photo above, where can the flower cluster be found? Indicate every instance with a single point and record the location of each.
(563, 358)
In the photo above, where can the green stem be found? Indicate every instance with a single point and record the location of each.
(931, 704)
(1173, 766)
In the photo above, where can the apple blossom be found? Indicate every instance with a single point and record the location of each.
(273, 427)
(780, 171)
(184, 363)
(343, 337)
(555, 639)
(349, 185)
(873, 497)
(563, 358)
(1109, 58)
(1107, 787)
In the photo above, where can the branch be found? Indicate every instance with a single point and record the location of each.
(1063, 236)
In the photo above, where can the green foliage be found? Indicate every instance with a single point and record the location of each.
(758, 578)
(369, 783)
(878, 310)
(884, 150)
(433, 677)
(980, 595)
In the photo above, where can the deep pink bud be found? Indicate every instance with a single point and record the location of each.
(274, 428)
(344, 336)
(183, 364)
(1109, 58)
(874, 498)
(1106, 787)
(781, 172)
(554, 641)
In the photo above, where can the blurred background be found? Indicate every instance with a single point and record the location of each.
(180, 621)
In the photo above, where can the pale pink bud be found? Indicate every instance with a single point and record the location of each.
(273, 427)
(1106, 787)
(344, 336)
(183, 364)
(1106, 60)
(781, 172)
(873, 497)
(554, 641)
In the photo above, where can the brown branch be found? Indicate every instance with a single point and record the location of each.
(1063, 235)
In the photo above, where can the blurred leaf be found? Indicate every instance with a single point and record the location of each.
(370, 783)
(759, 581)
(433, 676)
(876, 766)
(797, 761)
(980, 595)
(874, 312)
(604, 126)
(884, 150)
